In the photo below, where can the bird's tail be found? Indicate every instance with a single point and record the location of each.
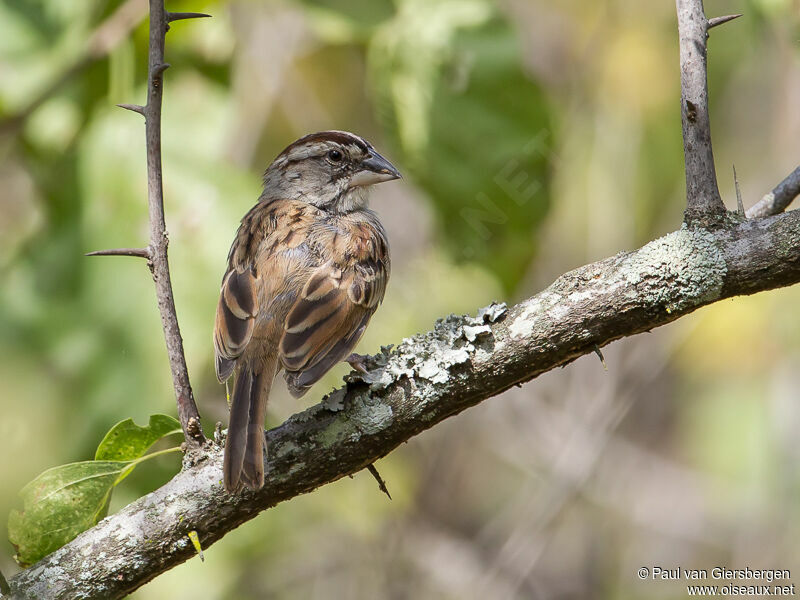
(245, 445)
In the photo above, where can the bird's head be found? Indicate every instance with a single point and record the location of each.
(330, 169)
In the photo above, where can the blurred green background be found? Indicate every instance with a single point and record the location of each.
(535, 136)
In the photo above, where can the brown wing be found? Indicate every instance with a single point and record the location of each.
(238, 298)
(328, 319)
(235, 320)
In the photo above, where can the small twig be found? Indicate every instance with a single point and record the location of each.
(739, 203)
(778, 199)
(381, 483)
(178, 16)
(704, 203)
(138, 252)
(715, 21)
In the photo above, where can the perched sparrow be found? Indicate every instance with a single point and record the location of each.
(306, 271)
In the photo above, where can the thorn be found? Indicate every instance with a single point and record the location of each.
(179, 16)
(182, 16)
(138, 252)
(133, 107)
(739, 204)
(381, 483)
(159, 69)
(600, 356)
(721, 20)
(196, 543)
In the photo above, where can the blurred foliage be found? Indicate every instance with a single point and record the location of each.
(469, 122)
(534, 136)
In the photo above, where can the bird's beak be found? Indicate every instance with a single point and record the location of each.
(374, 169)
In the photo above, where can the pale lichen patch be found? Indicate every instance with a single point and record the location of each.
(491, 313)
(525, 321)
(534, 308)
(471, 332)
(371, 417)
(334, 401)
(680, 270)
(576, 297)
(126, 531)
(430, 370)
(431, 356)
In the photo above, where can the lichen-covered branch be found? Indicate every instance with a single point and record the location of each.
(432, 376)
(704, 204)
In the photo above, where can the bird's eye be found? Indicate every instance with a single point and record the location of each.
(335, 155)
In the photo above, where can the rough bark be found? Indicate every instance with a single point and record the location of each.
(704, 204)
(461, 362)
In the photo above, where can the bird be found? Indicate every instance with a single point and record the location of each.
(307, 269)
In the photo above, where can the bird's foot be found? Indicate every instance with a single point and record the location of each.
(357, 361)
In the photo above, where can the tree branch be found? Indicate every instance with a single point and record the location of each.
(778, 199)
(156, 252)
(187, 409)
(703, 202)
(425, 380)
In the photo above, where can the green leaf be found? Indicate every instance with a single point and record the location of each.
(128, 441)
(58, 505)
(67, 500)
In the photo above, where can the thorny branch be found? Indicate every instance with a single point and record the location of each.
(156, 252)
(704, 204)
